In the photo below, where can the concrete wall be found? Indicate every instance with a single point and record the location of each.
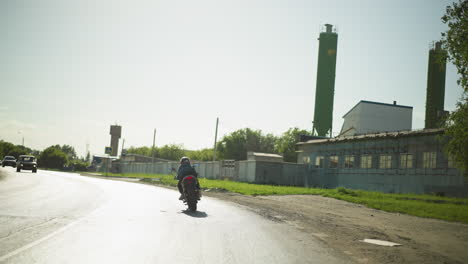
(246, 170)
(294, 174)
(268, 172)
(210, 170)
(150, 168)
(251, 171)
(280, 173)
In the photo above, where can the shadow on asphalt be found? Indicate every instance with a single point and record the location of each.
(197, 214)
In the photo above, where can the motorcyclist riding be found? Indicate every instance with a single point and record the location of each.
(185, 169)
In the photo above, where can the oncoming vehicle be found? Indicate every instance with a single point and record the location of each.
(26, 162)
(9, 161)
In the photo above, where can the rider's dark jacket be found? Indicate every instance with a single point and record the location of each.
(184, 170)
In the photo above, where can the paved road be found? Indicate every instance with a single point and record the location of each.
(53, 217)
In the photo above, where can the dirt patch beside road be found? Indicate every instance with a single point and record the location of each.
(341, 225)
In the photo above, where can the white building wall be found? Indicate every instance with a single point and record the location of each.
(375, 117)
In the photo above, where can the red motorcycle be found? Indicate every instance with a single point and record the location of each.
(191, 192)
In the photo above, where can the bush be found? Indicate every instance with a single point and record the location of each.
(79, 165)
(52, 157)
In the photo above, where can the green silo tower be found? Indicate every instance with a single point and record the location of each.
(435, 86)
(325, 88)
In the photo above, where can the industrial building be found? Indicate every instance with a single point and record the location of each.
(372, 117)
(394, 162)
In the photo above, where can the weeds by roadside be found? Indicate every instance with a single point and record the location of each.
(430, 206)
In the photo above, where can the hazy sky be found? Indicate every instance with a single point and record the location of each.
(70, 69)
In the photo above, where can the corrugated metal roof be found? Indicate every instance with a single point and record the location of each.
(375, 135)
(259, 154)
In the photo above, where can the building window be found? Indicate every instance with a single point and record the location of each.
(333, 162)
(451, 162)
(366, 161)
(385, 162)
(319, 162)
(406, 161)
(429, 160)
(349, 162)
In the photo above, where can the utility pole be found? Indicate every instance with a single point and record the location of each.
(22, 136)
(154, 140)
(123, 144)
(216, 138)
(87, 151)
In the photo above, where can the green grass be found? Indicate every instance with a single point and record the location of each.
(430, 206)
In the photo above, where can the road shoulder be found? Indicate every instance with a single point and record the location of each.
(342, 225)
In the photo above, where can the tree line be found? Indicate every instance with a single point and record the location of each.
(172, 152)
(53, 157)
(233, 146)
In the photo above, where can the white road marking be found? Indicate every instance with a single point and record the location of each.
(380, 242)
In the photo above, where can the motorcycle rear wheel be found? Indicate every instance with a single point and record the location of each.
(192, 205)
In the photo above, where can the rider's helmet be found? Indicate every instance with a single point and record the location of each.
(184, 160)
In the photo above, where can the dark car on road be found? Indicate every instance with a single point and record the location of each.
(9, 161)
(26, 162)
